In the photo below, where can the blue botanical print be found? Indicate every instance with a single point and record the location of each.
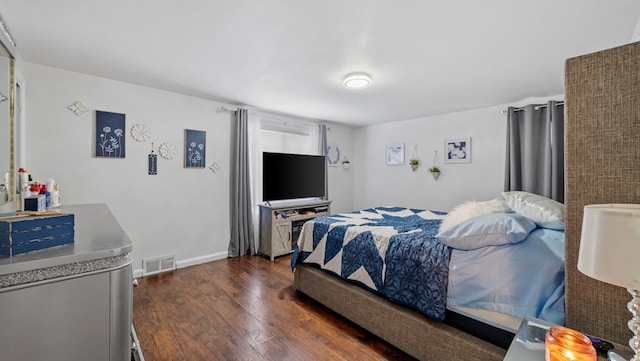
(195, 148)
(195, 155)
(110, 144)
(110, 140)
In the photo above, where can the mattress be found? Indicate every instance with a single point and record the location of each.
(522, 279)
(498, 320)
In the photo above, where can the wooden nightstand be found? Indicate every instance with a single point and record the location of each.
(528, 343)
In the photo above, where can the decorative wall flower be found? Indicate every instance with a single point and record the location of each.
(167, 150)
(78, 108)
(140, 132)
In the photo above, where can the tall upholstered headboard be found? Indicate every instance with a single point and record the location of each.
(602, 165)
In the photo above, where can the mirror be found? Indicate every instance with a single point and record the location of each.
(7, 121)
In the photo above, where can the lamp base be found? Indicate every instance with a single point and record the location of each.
(634, 323)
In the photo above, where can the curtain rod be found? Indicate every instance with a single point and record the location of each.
(223, 109)
(266, 113)
(537, 107)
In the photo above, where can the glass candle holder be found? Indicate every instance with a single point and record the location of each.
(565, 344)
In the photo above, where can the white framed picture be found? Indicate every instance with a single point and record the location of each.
(457, 150)
(395, 154)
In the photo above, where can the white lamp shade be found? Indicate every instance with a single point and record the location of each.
(610, 244)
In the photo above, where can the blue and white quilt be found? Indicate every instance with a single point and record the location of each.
(390, 250)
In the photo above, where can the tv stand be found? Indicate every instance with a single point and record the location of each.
(280, 225)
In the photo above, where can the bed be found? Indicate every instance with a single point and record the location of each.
(438, 284)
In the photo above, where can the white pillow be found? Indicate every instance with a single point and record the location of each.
(471, 209)
(546, 212)
(493, 229)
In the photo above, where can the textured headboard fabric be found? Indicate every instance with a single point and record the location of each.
(602, 165)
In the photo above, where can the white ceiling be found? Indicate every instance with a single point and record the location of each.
(426, 57)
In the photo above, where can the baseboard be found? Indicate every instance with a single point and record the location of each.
(189, 262)
(202, 259)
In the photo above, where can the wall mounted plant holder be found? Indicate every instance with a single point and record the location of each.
(345, 163)
(415, 163)
(435, 170)
(415, 160)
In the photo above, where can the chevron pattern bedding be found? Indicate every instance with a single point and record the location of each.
(389, 250)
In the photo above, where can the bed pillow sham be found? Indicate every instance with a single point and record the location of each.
(493, 229)
(471, 209)
(546, 212)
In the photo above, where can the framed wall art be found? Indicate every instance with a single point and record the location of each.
(195, 148)
(109, 136)
(457, 150)
(395, 154)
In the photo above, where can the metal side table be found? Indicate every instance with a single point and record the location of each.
(528, 343)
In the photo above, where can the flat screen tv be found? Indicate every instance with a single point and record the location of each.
(291, 176)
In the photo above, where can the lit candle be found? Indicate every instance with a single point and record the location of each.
(565, 344)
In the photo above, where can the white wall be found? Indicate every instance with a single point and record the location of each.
(178, 211)
(185, 211)
(378, 184)
(341, 180)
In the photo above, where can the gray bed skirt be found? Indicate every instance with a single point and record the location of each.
(408, 330)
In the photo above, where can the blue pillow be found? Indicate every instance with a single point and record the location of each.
(491, 229)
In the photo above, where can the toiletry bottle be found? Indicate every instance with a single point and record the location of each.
(23, 180)
(55, 195)
(19, 201)
(47, 195)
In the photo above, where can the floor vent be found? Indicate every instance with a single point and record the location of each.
(155, 265)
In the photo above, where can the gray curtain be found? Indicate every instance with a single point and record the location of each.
(242, 240)
(322, 150)
(535, 150)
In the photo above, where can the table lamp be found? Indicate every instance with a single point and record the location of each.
(609, 250)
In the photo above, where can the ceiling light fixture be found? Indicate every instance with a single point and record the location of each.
(357, 80)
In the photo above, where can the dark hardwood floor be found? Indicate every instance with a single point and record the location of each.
(243, 308)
